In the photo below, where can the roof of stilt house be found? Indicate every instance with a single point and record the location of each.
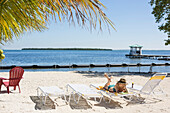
(136, 46)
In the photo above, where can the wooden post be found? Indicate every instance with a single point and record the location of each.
(109, 69)
(89, 68)
(150, 70)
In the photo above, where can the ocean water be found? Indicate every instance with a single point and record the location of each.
(69, 57)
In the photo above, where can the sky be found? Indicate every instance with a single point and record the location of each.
(133, 21)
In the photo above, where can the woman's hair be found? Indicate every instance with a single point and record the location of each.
(122, 80)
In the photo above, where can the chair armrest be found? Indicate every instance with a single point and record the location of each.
(135, 87)
(14, 78)
(1, 78)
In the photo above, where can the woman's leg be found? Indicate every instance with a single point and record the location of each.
(111, 89)
(108, 81)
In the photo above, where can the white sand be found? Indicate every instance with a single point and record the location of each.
(16, 102)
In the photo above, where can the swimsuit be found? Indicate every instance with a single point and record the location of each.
(114, 90)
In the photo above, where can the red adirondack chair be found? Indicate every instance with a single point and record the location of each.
(15, 75)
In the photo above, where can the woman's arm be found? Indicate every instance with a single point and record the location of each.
(125, 90)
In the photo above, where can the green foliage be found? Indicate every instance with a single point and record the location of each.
(1, 51)
(161, 11)
(167, 41)
(2, 56)
(66, 49)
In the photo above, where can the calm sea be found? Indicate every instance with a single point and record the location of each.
(69, 57)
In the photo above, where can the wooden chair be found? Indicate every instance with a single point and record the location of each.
(15, 75)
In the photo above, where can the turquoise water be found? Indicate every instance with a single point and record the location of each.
(69, 57)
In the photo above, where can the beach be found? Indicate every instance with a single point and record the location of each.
(23, 102)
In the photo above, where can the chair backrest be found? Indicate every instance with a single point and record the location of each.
(15, 76)
(153, 82)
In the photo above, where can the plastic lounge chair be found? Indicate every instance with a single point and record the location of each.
(50, 91)
(15, 75)
(84, 91)
(150, 85)
(99, 87)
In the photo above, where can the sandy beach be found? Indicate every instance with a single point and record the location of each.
(24, 102)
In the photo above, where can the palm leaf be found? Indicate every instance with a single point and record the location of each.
(19, 16)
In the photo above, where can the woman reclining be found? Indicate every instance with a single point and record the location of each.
(119, 87)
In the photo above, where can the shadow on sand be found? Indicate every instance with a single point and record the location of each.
(141, 100)
(101, 74)
(112, 105)
(39, 105)
(83, 104)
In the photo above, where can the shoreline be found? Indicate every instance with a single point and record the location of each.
(110, 49)
(89, 72)
(75, 66)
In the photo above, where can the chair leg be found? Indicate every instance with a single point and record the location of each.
(14, 87)
(0, 84)
(0, 87)
(8, 89)
(19, 89)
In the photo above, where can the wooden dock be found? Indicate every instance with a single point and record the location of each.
(163, 58)
(157, 57)
(83, 66)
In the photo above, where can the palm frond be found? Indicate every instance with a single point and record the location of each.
(19, 16)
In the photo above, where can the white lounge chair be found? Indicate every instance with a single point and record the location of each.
(50, 91)
(84, 91)
(150, 85)
(99, 87)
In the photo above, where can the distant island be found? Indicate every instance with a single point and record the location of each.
(66, 49)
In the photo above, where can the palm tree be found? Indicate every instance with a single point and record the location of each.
(19, 16)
